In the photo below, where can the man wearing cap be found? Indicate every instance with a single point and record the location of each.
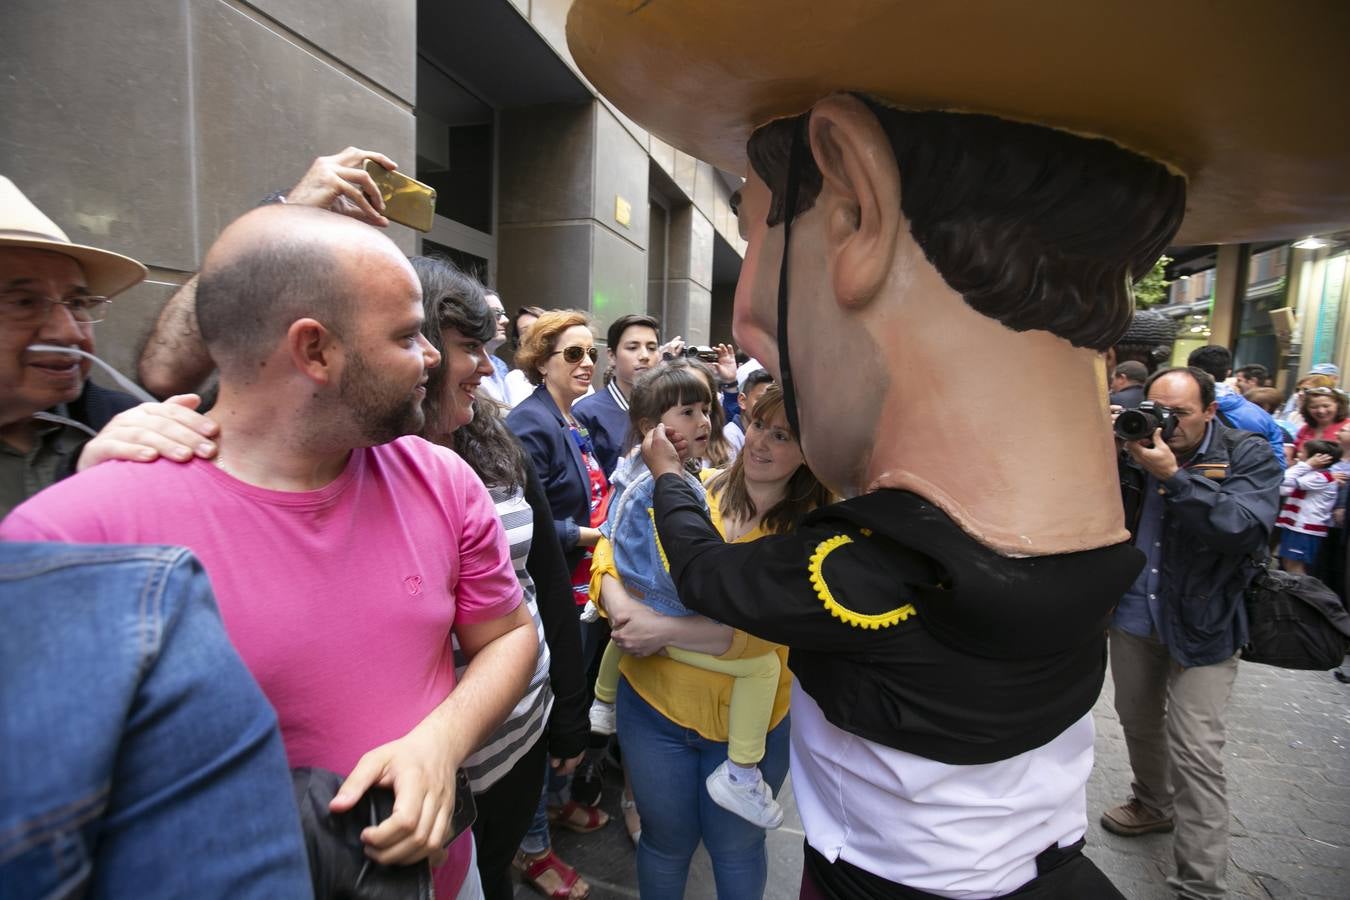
(52, 293)
(946, 622)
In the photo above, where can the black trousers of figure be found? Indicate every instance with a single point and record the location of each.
(1062, 874)
(505, 811)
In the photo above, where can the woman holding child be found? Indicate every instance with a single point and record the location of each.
(673, 717)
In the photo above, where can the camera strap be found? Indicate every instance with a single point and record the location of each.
(790, 209)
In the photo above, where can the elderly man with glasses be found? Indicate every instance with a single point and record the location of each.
(52, 293)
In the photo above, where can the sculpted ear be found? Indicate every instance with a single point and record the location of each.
(312, 349)
(859, 196)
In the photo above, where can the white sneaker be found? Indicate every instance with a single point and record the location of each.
(752, 802)
(603, 719)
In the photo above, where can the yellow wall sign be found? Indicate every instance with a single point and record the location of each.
(623, 211)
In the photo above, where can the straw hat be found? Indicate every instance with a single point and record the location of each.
(1244, 97)
(24, 225)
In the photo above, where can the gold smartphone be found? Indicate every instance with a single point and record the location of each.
(406, 200)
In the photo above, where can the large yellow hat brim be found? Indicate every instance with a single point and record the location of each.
(1246, 98)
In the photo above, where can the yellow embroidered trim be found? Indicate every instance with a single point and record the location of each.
(838, 610)
(651, 513)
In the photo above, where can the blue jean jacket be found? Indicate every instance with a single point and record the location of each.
(631, 529)
(140, 758)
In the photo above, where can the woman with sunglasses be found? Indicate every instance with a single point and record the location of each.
(558, 356)
(1325, 411)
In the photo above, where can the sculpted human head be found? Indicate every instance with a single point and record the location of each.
(902, 214)
(320, 313)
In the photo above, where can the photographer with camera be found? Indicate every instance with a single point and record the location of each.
(1200, 499)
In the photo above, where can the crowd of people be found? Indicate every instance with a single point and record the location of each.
(448, 580)
(326, 497)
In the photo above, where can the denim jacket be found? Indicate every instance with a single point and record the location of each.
(140, 757)
(1220, 508)
(631, 529)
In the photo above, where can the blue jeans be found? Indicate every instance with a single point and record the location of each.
(667, 765)
(140, 757)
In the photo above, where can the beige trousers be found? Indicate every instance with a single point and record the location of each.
(1173, 722)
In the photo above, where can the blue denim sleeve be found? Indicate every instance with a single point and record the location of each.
(141, 757)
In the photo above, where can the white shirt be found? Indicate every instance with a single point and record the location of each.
(518, 387)
(955, 831)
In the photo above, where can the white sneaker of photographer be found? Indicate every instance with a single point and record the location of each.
(752, 801)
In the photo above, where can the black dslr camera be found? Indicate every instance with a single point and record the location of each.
(1139, 423)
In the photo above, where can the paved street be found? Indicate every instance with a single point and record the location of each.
(1288, 763)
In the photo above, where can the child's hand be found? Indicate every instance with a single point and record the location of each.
(1319, 460)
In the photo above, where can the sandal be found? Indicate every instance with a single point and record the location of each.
(631, 820)
(578, 817)
(534, 871)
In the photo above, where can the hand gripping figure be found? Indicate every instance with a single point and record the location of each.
(955, 198)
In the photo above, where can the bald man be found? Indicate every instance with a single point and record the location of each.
(325, 530)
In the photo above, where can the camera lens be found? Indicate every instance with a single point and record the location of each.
(1135, 425)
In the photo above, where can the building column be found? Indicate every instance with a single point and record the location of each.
(572, 212)
(1230, 286)
(689, 291)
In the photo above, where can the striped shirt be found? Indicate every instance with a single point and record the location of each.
(525, 724)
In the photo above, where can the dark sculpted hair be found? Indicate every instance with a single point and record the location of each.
(1214, 359)
(1034, 227)
(245, 305)
(454, 299)
(1202, 379)
(802, 493)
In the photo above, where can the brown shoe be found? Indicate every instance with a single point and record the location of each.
(1133, 818)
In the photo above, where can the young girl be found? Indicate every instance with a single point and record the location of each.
(677, 396)
(1309, 492)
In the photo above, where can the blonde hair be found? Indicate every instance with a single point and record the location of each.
(540, 343)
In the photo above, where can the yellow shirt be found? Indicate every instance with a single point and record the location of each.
(689, 697)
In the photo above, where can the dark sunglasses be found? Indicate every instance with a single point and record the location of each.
(573, 355)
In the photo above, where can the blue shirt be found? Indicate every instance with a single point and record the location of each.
(1140, 610)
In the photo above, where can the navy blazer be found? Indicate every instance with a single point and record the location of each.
(539, 424)
(608, 424)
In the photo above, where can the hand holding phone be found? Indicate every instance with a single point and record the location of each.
(406, 200)
(340, 183)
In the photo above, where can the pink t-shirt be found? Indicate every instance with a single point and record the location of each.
(339, 600)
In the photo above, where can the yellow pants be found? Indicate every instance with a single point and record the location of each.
(752, 694)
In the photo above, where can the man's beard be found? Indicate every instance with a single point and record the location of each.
(381, 411)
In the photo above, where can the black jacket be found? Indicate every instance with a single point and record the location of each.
(568, 723)
(539, 424)
(1220, 507)
(903, 629)
(95, 407)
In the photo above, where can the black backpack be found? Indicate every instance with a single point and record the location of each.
(1294, 622)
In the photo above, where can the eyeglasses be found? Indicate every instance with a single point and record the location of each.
(498, 313)
(573, 355)
(32, 309)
